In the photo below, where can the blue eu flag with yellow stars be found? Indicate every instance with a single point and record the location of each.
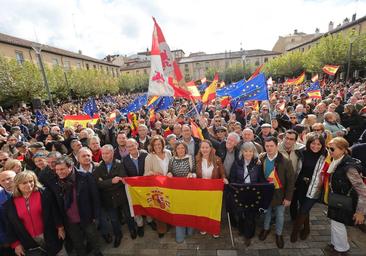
(255, 89)
(90, 107)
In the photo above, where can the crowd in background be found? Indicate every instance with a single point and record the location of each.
(63, 187)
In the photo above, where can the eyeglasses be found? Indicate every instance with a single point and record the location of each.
(4, 160)
(293, 117)
(332, 149)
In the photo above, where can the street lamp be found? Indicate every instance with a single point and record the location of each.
(38, 48)
(351, 41)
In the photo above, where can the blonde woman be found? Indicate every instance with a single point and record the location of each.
(157, 163)
(35, 224)
(345, 180)
(13, 165)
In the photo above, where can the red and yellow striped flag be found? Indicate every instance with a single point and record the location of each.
(326, 177)
(273, 178)
(296, 81)
(210, 92)
(196, 131)
(256, 72)
(74, 120)
(330, 69)
(192, 88)
(182, 202)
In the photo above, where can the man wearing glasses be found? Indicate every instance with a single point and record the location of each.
(292, 150)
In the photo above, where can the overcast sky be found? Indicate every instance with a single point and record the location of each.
(102, 27)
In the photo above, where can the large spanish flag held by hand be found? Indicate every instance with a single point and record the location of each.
(210, 92)
(330, 69)
(296, 81)
(74, 120)
(183, 202)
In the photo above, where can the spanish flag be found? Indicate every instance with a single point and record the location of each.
(225, 101)
(296, 81)
(191, 86)
(74, 120)
(256, 72)
(132, 119)
(210, 92)
(326, 177)
(330, 69)
(183, 202)
(152, 117)
(196, 131)
(273, 178)
(152, 100)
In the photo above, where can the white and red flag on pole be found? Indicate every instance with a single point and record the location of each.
(165, 74)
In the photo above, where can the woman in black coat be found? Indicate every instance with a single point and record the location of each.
(247, 170)
(43, 232)
(353, 122)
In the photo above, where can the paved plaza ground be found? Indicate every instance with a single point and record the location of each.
(200, 245)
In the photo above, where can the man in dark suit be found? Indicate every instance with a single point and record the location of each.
(109, 177)
(121, 151)
(134, 164)
(79, 200)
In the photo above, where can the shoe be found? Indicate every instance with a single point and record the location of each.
(133, 233)
(161, 235)
(140, 231)
(152, 225)
(263, 234)
(247, 242)
(215, 236)
(117, 241)
(304, 233)
(279, 241)
(203, 233)
(107, 238)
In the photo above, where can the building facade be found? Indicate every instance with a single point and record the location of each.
(21, 50)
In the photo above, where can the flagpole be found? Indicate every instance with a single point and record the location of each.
(230, 230)
(194, 105)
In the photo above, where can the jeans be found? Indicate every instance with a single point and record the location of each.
(78, 233)
(280, 218)
(181, 232)
(109, 216)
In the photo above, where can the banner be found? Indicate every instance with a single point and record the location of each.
(72, 121)
(183, 202)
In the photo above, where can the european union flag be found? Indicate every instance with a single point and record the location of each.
(164, 102)
(40, 119)
(314, 91)
(193, 112)
(90, 107)
(255, 89)
(137, 104)
(249, 197)
(226, 90)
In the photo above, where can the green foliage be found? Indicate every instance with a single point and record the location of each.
(289, 64)
(232, 73)
(130, 82)
(24, 82)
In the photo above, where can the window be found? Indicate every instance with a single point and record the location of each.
(309, 46)
(55, 62)
(137, 72)
(265, 59)
(95, 66)
(19, 57)
(113, 72)
(257, 62)
(78, 65)
(186, 65)
(67, 65)
(145, 71)
(302, 49)
(87, 66)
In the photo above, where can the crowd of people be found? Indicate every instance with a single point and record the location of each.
(62, 188)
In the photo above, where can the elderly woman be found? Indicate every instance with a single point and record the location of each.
(156, 163)
(309, 183)
(345, 180)
(35, 224)
(247, 170)
(209, 166)
(181, 165)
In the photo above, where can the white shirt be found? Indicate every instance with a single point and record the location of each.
(81, 169)
(333, 165)
(164, 163)
(206, 170)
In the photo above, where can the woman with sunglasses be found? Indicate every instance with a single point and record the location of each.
(345, 180)
(309, 183)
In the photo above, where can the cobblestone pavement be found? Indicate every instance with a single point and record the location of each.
(201, 245)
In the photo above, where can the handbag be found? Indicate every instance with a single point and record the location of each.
(37, 251)
(338, 201)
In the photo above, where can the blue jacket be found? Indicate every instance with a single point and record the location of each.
(4, 196)
(255, 172)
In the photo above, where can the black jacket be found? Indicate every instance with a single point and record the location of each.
(130, 167)
(51, 220)
(340, 184)
(255, 172)
(112, 195)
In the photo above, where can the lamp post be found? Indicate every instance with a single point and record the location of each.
(352, 39)
(38, 48)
